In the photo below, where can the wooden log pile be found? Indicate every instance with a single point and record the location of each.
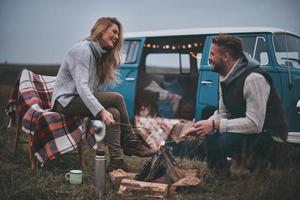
(173, 180)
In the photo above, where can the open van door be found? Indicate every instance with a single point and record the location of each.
(128, 71)
(208, 84)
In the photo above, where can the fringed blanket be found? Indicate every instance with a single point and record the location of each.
(156, 130)
(53, 133)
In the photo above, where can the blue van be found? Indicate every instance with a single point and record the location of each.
(168, 73)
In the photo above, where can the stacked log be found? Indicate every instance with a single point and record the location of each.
(159, 177)
(131, 187)
(159, 188)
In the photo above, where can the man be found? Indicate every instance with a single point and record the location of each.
(248, 104)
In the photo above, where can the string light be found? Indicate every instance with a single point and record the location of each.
(172, 47)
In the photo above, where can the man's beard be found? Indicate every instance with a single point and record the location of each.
(218, 66)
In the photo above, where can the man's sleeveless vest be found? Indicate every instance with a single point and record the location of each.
(234, 101)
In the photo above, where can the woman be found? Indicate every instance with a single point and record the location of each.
(88, 65)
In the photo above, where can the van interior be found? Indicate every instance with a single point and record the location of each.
(167, 77)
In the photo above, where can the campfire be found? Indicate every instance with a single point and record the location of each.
(162, 163)
(159, 177)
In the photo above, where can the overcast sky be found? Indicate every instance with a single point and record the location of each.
(41, 31)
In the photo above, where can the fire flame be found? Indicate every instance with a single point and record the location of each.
(162, 144)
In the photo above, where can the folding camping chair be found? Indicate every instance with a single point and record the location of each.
(50, 133)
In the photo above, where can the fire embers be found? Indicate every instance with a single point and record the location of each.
(161, 164)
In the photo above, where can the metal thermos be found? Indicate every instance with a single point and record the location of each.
(100, 130)
(99, 179)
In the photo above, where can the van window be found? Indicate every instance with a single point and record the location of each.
(287, 50)
(173, 54)
(198, 57)
(130, 51)
(256, 47)
(167, 63)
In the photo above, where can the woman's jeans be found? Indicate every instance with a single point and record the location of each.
(114, 103)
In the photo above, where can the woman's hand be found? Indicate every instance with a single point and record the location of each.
(106, 117)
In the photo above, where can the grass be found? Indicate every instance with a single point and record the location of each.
(18, 181)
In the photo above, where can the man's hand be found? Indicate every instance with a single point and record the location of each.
(106, 117)
(204, 127)
(188, 133)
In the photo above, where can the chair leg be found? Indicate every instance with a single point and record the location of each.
(17, 136)
(82, 164)
(31, 158)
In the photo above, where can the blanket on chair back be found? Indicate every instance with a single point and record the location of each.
(53, 133)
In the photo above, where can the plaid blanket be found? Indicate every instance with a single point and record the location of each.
(53, 133)
(155, 130)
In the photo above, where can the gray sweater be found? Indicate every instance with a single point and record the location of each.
(77, 76)
(256, 93)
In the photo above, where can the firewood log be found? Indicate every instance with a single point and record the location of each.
(130, 187)
(118, 175)
(186, 182)
(172, 170)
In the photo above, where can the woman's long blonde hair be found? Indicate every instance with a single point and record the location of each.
(107, 67)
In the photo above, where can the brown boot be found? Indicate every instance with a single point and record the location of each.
(117, 164)
(137, 148)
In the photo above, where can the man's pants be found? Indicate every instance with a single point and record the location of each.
(220, 146)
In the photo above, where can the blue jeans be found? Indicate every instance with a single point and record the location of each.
(219, 146)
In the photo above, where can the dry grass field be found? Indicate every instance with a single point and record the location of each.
(18, 181)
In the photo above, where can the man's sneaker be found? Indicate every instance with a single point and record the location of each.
(137, 148)
(117, 164)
